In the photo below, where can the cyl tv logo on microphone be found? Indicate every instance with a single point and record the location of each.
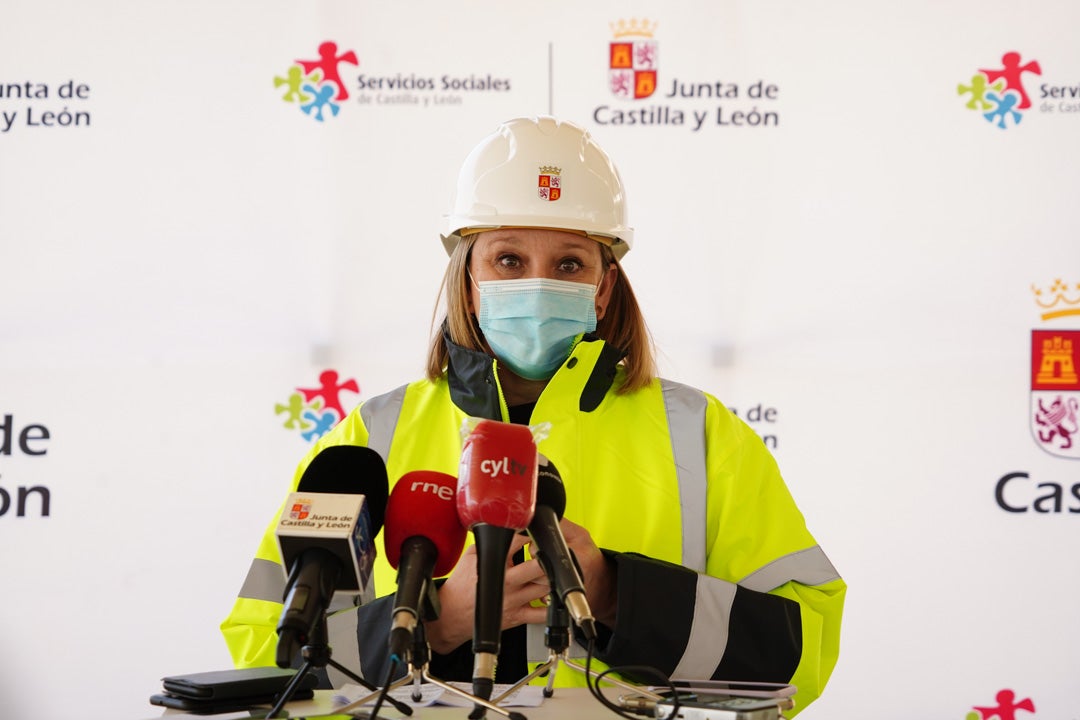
(506, 466)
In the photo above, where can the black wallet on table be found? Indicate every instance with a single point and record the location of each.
(224, 690)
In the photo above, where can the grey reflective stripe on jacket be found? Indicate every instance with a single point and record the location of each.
(265, 581)
(808, 567)
(685, 408)
(380, 415)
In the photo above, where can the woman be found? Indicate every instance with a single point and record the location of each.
(696, 560)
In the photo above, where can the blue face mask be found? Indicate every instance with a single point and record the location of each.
(531, 325)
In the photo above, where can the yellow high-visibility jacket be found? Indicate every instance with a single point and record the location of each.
(718, 576)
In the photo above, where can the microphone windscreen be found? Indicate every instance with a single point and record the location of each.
(422, 503)
(497, 476)
(350, 470)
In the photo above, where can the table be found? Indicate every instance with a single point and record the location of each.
(571, 703)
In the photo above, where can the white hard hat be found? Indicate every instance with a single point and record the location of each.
(540, 173)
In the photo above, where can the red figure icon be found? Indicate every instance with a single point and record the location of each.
(1006, 709)
(1011, 72)
(328, 62)
(330, 391)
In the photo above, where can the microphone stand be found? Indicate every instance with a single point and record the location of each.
(316, 654)
(418, 664)
(557, 638)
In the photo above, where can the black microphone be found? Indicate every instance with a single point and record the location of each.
(326, 538)
(551, 550)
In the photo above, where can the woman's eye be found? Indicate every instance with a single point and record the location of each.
(570, 265)
(509, 261)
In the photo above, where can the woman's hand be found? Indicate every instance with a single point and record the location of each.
(523, 584)
(598, 574)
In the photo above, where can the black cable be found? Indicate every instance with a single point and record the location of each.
(385, 688)
(637, 670)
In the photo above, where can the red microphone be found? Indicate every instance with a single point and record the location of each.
(496, 497)
(424, 539)
(497, 476)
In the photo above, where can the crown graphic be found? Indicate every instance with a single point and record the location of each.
(634, 27)
(550, 170)
(1059, 300)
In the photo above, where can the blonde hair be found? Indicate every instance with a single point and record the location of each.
(623, 325)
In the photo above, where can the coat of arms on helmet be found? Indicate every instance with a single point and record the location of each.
(632, 59)
(550, 182)
(1055, 374)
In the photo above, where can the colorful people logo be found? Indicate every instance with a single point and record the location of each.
(999, 94)
(1006, 708)
(316, 84)
(314, 411)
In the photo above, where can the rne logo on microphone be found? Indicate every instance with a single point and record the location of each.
(506, 466)
(441, 491)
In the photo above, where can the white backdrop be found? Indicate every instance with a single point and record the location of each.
(181, 250)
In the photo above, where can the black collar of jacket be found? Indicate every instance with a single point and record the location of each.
(471, 377)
